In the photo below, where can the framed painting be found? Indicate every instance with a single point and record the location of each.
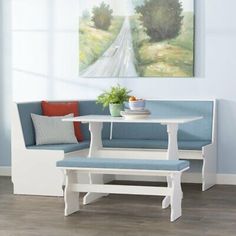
(136, 38)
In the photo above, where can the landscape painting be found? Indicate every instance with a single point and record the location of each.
(136, 38)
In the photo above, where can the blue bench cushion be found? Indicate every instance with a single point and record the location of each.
(123, 143)
(64, 147)
(115, 163)
(155, 144)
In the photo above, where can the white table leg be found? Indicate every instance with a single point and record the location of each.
(172, 154)
(95, 129)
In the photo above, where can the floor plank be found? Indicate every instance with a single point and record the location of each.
(210, 213)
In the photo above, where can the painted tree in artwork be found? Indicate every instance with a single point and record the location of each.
(102, 16)
(162, 19)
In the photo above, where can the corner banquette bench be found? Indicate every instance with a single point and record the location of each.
(34, 167)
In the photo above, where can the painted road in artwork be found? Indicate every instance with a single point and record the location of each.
(118, 59)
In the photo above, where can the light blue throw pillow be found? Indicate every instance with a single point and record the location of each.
(52, 130)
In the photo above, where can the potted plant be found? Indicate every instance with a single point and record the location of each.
(114, 98)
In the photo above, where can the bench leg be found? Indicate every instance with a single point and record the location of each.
(71, 197)
(176, 197)
(166, 200)
(92, 197)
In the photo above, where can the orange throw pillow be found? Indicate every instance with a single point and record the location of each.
(62, 109)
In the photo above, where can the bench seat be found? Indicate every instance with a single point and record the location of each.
(153, 144)
(64, 147)
(123, 143)
(115, 163)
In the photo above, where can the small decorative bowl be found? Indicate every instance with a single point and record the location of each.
(137, 105)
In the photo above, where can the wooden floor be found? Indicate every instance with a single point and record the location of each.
(210, 213)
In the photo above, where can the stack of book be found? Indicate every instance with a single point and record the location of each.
(135, 114)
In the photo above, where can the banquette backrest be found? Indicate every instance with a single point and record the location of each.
(200, 130)
(88, 108)
(85, 108)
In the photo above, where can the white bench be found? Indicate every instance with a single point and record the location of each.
(168, 168)
(33, 167)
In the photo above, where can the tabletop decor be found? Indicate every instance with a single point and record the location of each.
(136, 104)
(136, 109)
(135, 114)
(114, 98)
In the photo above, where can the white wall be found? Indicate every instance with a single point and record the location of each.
(5, 83)
(45, 62)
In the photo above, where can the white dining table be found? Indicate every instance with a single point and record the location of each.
(95, 127)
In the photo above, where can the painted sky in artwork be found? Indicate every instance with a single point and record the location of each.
(123, 7)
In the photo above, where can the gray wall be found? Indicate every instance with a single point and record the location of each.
(46, 57)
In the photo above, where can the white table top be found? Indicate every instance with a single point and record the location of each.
(150, 119)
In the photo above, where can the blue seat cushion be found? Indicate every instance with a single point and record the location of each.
(115, 163)
(64, 147)
(158, 144)
(123, 143)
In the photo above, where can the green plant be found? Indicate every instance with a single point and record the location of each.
(116, 95)
(102, 16)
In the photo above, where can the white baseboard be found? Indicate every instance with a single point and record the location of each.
(5, 171)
